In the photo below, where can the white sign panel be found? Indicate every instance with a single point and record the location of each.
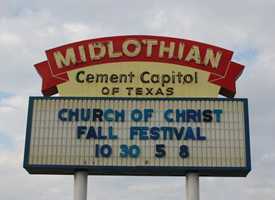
(138, 136)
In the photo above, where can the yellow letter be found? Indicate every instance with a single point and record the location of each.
(150, 44)
(180, 51)
(133, 53)
(113, 54)
(194, 54)
(82, 53)
(102, 50)
(214, 60)
(169, 49)
(69, 58)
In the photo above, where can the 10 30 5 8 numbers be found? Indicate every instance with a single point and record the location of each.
(134, 151)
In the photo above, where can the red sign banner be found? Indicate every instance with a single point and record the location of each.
(186, 53)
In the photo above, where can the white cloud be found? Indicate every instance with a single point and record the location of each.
(7, 39)
(13, 113)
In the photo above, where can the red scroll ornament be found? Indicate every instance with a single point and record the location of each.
(136, 48)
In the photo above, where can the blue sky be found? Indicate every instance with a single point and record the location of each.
(28, 28)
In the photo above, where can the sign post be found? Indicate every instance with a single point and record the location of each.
(80, 185)
(192, 186)
(138, 105)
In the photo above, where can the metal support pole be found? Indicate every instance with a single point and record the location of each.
(192, 186)
(80, 185)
